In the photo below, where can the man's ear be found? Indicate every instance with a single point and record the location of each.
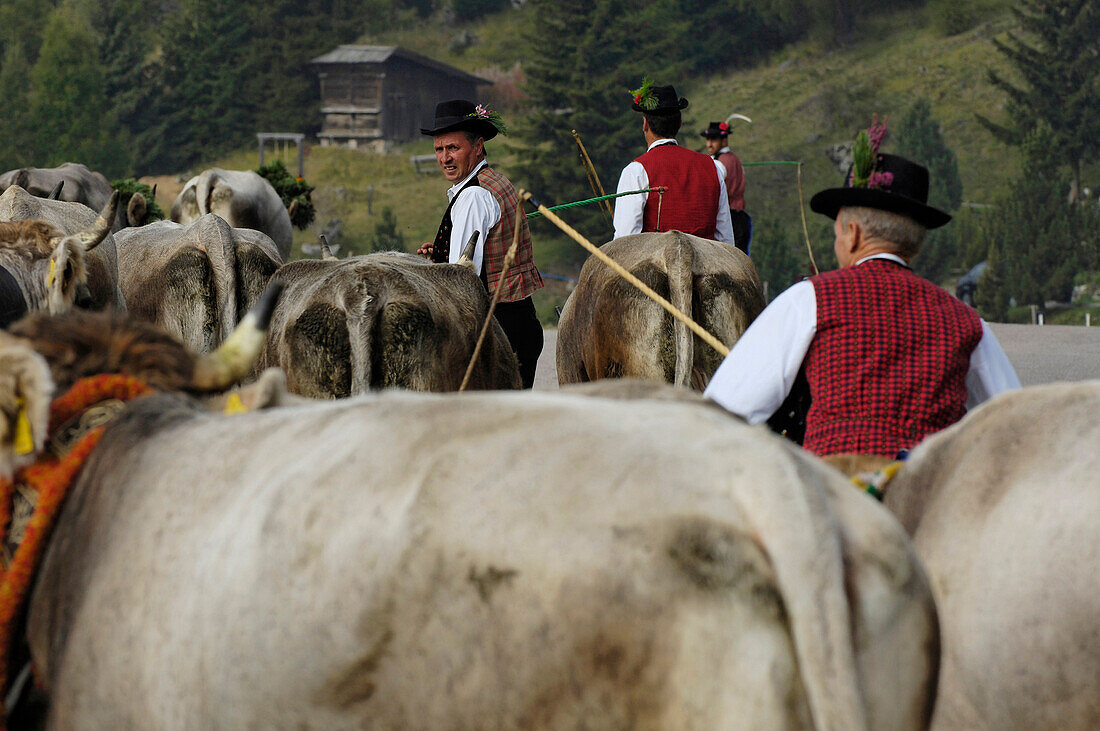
(645, 124)
(855, 235)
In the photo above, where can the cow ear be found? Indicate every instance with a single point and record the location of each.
(26, 389)
(135, 209)
(67, 271)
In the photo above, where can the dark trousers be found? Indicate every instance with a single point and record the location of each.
(742, 229)
(524, 331)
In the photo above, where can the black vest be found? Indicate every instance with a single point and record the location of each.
(441, 248)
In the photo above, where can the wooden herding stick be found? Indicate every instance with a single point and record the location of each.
(622, 272)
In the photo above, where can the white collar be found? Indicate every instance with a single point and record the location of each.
(889, 257)
(453, 190)
(662, 141)
(724, 150)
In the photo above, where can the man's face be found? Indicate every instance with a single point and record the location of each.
(457, 157)
(714, 144)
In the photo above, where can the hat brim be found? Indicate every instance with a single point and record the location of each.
(829, 202)
(714, 135)
(662, 112)
(481, 127)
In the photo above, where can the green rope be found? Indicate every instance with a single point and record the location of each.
(586, 201)
(532, 214)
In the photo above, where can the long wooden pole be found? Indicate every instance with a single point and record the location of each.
(593, 177)
(622, 272)
(508, 259)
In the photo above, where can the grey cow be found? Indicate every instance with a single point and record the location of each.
(346, 326)
(610, 329)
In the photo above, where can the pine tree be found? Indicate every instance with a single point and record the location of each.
(68, 100)
(919, 139)
(1037, 232)
(19, 138)
(202, 76)
(127, 32)
(585, 57)
(1058, 61)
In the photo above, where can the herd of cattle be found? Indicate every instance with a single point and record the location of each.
(619, 554)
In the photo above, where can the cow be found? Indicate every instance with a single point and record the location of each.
(194, 280)
(416, 560)
(76, 183)
(241, 197)
(1003, 509)
(610, 329)
(52, 264)
(345, 326)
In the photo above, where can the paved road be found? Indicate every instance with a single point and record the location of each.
(1040, 354)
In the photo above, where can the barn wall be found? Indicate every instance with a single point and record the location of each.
(411, 92)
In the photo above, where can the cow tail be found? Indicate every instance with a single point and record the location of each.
(679, 262)
(223, 260)
(361, 333)
(204, 190)
(801, 534)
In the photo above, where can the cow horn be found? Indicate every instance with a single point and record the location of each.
(55, 194)
(467, 258)
(326, 253)
(102, 226)
(234, 358)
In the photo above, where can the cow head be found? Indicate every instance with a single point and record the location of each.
(67, 271)
(45, 354)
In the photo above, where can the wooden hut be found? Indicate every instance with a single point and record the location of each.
(377, 95)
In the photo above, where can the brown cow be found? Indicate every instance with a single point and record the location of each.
(610, 329)
(346, 326)
(195, 281)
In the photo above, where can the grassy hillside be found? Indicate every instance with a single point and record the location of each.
(808, 97)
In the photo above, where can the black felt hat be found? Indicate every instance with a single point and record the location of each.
(716, 130)
(459, 114)
(661, 101)
(902, 187)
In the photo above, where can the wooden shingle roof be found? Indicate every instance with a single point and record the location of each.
(380, 54)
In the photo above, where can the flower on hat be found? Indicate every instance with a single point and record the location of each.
(644, 96)
(492, 117)
(865, 157)
(724, 127)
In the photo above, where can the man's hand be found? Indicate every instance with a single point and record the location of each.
(426, 250)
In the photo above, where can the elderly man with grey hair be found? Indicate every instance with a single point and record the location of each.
(889, 357)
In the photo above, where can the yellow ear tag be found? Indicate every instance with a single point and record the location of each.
(53, 268)
(234, 405)
(24, 439)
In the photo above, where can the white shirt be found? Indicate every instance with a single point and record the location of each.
(630, 208)
(758, 373)
(475, 210)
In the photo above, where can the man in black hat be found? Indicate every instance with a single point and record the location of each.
(718, 146)
(889, 357)
(484, 200)
(693, 199)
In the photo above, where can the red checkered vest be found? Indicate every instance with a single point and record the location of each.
(735, 179)
(888, 364)
(523, 277)
(690, 204)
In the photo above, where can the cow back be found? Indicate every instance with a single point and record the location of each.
(195, 281)
(610, 329)
(343, 327)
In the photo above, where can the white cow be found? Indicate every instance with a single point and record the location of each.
(1004, 511)
(412, 560)
(241, 197)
